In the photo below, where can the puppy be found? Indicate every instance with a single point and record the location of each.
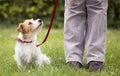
(26, 50)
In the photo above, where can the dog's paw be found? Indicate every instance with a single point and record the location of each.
(46, 61)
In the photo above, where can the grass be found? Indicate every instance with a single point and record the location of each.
(55, 50)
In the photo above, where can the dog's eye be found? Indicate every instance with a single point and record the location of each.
(29, 23)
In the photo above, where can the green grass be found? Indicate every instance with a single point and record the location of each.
(55, 50)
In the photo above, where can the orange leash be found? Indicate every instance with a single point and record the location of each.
(51, 22)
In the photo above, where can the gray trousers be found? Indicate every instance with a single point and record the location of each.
(85, 25)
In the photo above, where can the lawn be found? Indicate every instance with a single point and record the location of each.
(55, 50)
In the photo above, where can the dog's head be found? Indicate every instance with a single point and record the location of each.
(30, 26)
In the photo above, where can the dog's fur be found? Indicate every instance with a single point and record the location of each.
(27, 53)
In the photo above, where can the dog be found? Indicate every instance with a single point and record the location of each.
(26, 50)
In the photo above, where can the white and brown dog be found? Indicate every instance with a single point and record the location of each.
(26, 50)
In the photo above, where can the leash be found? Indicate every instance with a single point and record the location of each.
(51, 22)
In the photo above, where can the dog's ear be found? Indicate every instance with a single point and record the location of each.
(20, 27)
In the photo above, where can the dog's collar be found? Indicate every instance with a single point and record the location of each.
(18, 39)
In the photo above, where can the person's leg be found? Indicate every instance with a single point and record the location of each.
(75, 17)
(96, 30)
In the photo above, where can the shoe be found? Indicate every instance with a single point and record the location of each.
(74, 64)
(95, 66)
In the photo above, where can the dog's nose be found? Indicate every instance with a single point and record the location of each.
(39, 20)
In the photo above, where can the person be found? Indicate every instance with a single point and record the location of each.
(85, 26)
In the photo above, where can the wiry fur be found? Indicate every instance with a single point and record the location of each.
(27, 53)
